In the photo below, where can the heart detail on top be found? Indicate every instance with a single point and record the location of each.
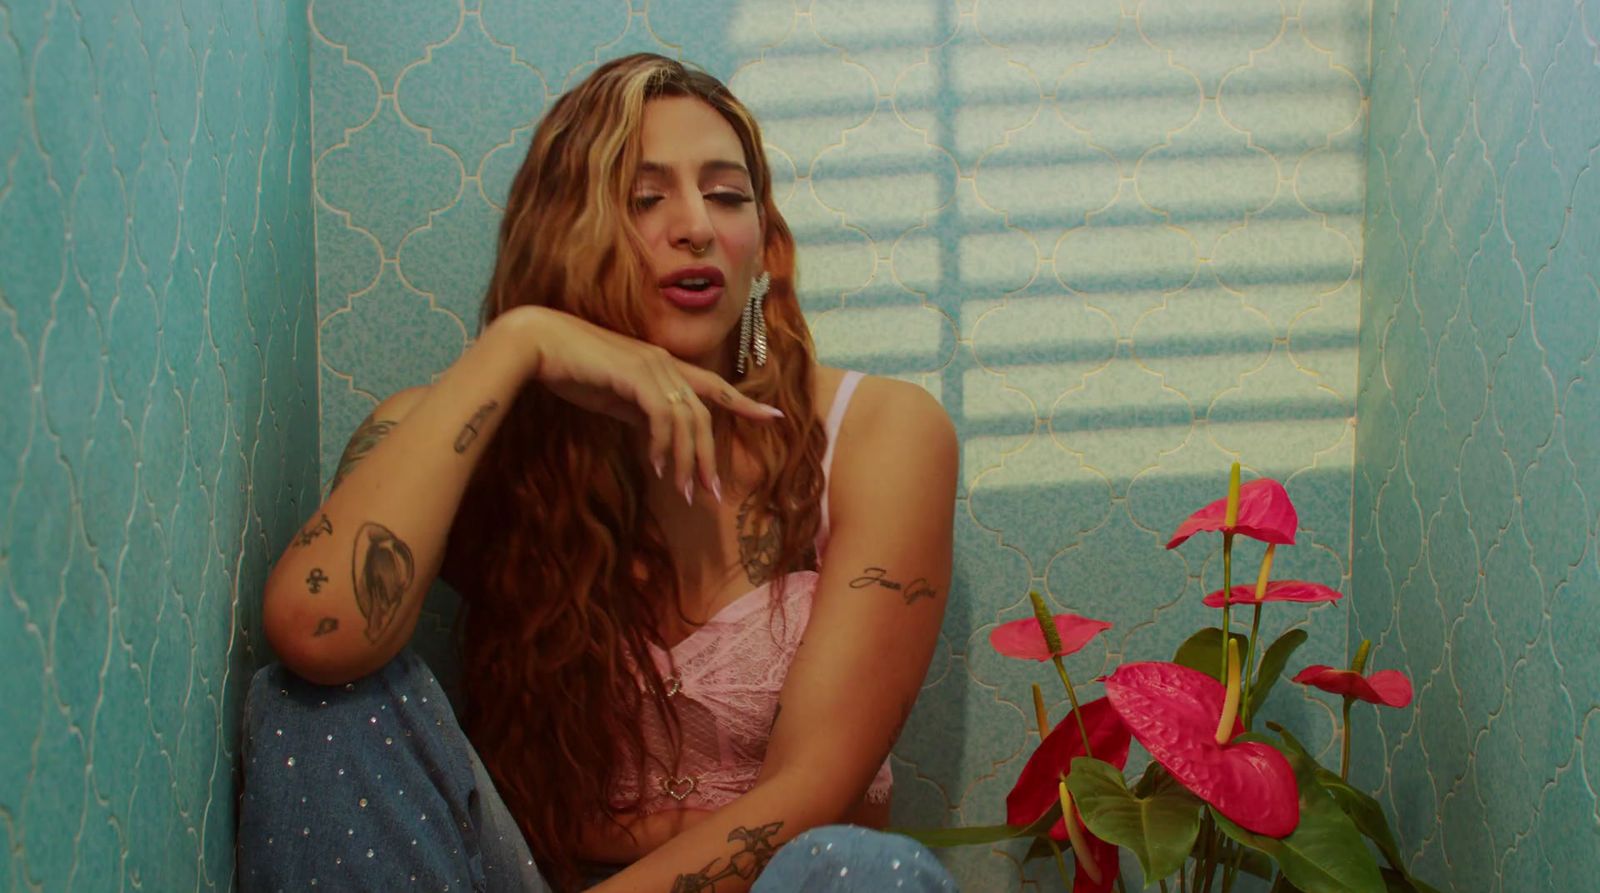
(674, 685)
(678, 788)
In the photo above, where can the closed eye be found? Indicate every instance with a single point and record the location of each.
(731, 199)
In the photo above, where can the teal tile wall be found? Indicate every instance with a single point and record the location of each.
(1478, 459)
(1120, 240)
(159, 438)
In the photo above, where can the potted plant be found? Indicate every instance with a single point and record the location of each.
(1225, 793)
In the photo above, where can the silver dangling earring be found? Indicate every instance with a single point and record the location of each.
(753, 325)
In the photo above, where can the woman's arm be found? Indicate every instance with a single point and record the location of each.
(874, 623)
(345, 595)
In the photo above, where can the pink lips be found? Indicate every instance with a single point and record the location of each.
(690, 298)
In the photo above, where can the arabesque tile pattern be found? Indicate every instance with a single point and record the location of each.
(1478, 461)
(158, 444)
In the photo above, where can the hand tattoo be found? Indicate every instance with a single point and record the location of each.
(367, 436)
(877, 576)
(469, 431)
(758, 542)
(326, 625)
(382, 570)
(746, 864)
(304, 537)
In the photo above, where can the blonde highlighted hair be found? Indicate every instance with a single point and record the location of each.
(563, 571)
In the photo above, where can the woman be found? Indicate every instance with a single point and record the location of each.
(639, 544)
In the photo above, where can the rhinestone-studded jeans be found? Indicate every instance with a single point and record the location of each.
(373, 786)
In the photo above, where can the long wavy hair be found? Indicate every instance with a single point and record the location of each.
(564, 572)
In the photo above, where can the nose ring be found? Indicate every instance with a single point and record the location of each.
(700, 251)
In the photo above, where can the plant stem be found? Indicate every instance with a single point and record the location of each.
(1061, 864)
(1163, 882)
(1077, 714)
(1231, 873)
(1250, 666)
(1227, 597)
(1344, 749)
(1204, 867)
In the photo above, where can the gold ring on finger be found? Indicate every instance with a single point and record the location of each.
(675, 396)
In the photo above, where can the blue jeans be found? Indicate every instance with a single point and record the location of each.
(374, 786)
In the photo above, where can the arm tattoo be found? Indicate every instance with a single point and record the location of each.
(326, 625)
(315, 579)
(382, 570)
(469, 431)
(304, 537)
(746, 864)
(361, 443)
(877, 576)
(758, 542)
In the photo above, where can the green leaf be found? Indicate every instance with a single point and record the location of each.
(1282, 885)
(1203, 651)
(1272, 664)
(1325, 854)
(1362, 809)
(1159, 829)
(980, 834)
(1401, 882)
(1155, 776)
(1040, 850)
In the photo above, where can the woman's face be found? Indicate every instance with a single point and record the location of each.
(694, 206)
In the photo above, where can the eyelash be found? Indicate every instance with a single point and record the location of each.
(730, 199)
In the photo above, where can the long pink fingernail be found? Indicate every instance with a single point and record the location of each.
(659, 466)
(688, 491)
(773, 411)
(716, 488)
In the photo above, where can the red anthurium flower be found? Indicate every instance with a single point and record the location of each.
(1174, 712)
(1037, 788)
(1024, 639)
(1265, 514)
(1390, 688)
(1277, 591)
(1104, 856)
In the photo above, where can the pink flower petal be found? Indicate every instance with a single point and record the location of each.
(1173, 711)
(1037, 788)
(1265, 514)
(1277, 591)
(1024, 639)
(1390, 688)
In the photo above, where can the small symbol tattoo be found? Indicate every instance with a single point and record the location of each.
(326, 625)
(469, 431)
(316, 579)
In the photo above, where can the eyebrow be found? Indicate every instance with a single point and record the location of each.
(714, 166)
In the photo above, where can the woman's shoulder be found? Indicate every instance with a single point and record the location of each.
(887, 407)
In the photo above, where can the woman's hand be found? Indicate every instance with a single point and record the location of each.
(643, 385)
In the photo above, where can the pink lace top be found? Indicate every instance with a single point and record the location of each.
(724, 680)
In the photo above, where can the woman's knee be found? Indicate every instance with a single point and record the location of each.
(848, 857)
